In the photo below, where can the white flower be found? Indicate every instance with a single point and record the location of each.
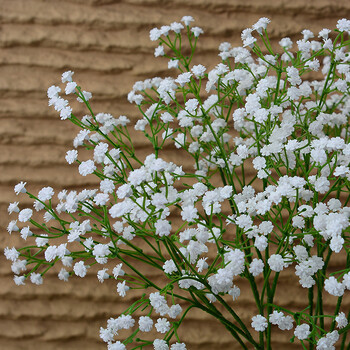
(87, 167)
(19, 280)
(42, 240)
(63, 275)
(51, 253)
(53, 91)
(322, 185)
(80, 269)
(202, 264)
(174, 311)
(162, 227)
(343, 25)
(197, 31)
(184, 78)
(70, 87)
(298, 222)
(145, 324)
(176, 27)
(102, 275)
(116, 346)
(261, 243)
(71, 156)
(169, 266)
(36, 278)
(107, 186)
(327, 342)
(25, 215)
(20, 188)
(235, 292)
(159, 51)
(67, 76)
(87, 96)
(256, 267)
(122, 288)
(118, 271)
(13, 208)
(259, 163)
(101, 198)
(286, 43)
(187, 20)
(159, 303)
(173, 64)
(341, 320)
(18, 266)
(259, 323)
(283, 322)
(162, 325)
(45, 194)
(178, 346)
(11, 253)
(155, 34)
(65, 112)
(198, 71)
(189, 213)
(261, 25)
(276, 262)
(302, 331)
(160, 344)
(67, 261)
(333, 287)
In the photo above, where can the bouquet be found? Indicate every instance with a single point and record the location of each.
(267, 134)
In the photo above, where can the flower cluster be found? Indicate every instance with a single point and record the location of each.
(268, 191)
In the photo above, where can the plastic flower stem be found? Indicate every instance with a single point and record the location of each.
(266, 277)
(136, 255)
(279, 73)
(320, 282)
(228, 308)
(224, 155)
(331, 189)
(325, 88)
(150, 283)
(236, 317)
(342, 347)
(233, 329)
(336, 311)
(267, 43)
(311, 309)
(171, 253)
(252, 283)
(270, 296)
(138, 250)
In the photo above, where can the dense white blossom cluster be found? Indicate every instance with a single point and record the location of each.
(289, 212)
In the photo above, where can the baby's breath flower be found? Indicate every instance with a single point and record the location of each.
(187, 20)
(87, 167)
(259, 323)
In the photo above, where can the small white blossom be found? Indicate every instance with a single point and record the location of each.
(122, 288)
(341, 320)
(162, 325)
(25, 215)
(145, 324)
(302, 331)
(71, 156)
(67, 76)
(259, 323)
(80, 269)
(87, 167)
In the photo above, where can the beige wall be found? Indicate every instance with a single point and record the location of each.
(106, 43)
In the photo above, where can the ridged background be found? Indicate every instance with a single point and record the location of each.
(106, 43)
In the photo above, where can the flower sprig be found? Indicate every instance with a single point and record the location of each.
(269, 191)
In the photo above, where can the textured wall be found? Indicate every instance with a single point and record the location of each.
(106, 43)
